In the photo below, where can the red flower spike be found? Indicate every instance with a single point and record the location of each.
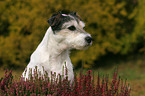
(84, 85)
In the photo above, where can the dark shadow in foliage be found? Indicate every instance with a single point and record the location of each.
(110, 60)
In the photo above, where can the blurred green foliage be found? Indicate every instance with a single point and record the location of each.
(117, 27)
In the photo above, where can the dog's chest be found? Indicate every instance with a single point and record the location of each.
(55, 63)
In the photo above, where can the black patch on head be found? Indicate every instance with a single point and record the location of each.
(57, 20)
(65, 12)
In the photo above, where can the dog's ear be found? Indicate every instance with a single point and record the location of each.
(73, 13)
(51, 20)
(55, 20)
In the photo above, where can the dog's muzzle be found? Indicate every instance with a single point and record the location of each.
(88, 39)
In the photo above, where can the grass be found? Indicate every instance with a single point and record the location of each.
(133, 71)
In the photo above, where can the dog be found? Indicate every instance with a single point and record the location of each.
(66, 32)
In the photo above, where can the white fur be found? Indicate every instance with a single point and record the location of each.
(53, 51)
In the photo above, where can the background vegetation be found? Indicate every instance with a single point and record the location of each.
(117, 26)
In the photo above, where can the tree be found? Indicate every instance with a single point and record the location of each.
(113, 24)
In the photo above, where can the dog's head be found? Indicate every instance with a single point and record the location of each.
(68, 29)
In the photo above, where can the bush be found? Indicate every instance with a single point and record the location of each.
(117, 27)
(82, 86)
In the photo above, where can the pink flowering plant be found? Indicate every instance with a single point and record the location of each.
(83, 85)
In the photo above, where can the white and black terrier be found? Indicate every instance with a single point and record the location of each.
(66, 32)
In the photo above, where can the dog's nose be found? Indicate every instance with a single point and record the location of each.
(88, 39)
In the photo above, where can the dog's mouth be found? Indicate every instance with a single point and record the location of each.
(89, 44)
(83, 47)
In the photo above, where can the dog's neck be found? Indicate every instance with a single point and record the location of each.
(55, 47)
(57, 51)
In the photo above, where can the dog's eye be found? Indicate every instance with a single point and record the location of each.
(72, 28)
